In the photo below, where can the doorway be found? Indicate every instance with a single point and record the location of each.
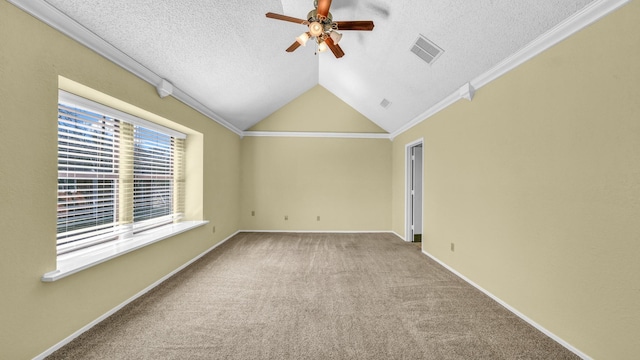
(414, 199)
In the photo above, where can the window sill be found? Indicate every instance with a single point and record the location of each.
(76, 261)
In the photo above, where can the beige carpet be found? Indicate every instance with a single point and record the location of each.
(314, 296)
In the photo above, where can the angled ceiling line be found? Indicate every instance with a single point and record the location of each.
(583, 18)
(53, 17)
(312, 134)
(50, 15)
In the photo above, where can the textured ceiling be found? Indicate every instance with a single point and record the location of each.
(231, 58)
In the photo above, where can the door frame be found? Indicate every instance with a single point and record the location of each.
(408, 212)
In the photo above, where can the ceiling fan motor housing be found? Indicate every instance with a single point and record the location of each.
(313, 16)
(317, 26)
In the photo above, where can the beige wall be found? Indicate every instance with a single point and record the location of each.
(34, 315)
(346, 182)
(537, 182)
(317, 110)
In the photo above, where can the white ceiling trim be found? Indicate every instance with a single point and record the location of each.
(590, 14)
(58, 20)
(578, 21)
(443, 104)
(61, 22)
(316, 135)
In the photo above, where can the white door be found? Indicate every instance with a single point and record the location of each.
(417, 193)
(414, 178)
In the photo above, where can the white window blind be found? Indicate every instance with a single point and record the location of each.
(116, 177)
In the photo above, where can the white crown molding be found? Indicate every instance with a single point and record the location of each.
(316, 135)
(201, 108)
(467, 91)
(443, 104)
(53, 17)
(58, 20)
(165, 88)
(587, 16)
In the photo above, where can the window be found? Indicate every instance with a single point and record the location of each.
(118, 175)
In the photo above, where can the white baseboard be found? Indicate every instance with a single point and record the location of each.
(69, 338)
(512, 309)
(320, 231)
(164, 278)
(398, 235)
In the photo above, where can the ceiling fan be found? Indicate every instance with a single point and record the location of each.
(322, 28)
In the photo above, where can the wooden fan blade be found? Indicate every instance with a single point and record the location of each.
(286, 18)
(293, 46)
(323, 8)
(355, 25)
(335, 48)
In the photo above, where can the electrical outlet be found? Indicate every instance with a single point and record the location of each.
(214, 229)
(286, 217)
(253, 213)
(453, 247)
(318, 219)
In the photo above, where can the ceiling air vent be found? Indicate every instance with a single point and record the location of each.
(426, 50)
(385, 103)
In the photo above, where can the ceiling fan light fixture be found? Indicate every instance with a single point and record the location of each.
(335, 36)
(322, 28)
(303, 38)
(316, 29)
(322, 47)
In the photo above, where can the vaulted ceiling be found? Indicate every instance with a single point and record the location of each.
(231, 59)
